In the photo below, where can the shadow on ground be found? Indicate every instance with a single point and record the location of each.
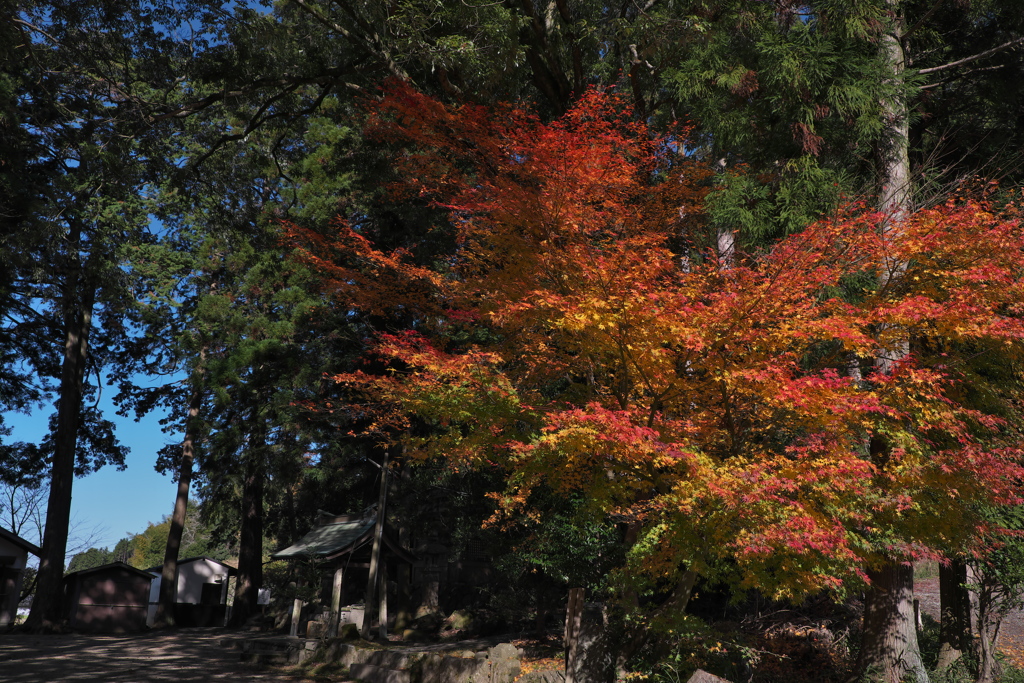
(182, 655)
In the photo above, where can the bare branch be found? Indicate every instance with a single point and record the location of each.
(973, 58)
(960, 76)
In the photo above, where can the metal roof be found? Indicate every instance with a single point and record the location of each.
(329, 539)
(108, 567)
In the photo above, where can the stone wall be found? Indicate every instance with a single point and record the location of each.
(498, 664)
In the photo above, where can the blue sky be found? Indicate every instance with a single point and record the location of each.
(114, 504)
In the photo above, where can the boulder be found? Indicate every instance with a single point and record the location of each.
(702, 676)
(348, 632)
(505, 665)
(428, 623)
(460, 620)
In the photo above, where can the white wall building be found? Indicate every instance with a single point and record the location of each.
(14, 551)
(202, 591)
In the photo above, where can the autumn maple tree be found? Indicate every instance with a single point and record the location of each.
(732, 415)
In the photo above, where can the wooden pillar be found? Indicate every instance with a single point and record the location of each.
(335, 624)
(383, 612)
(296, 613)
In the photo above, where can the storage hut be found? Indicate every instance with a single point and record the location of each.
(201, 596)
(111, 598)
(14, 551)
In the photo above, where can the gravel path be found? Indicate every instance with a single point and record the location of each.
(188, 655)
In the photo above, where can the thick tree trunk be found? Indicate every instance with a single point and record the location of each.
(250, 547)
(168, 576)
(47, 607)
(889, 651)
(955, 617)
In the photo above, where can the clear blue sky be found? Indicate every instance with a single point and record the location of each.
(114, 503)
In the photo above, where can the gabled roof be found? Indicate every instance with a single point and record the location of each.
(17, 540)
(107, 567)
(232, 571)
(329, 539)
(333, 539)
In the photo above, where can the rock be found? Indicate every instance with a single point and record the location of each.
(403, 620)
(546, 676)
(414, 636)
(348, 632)
(368, 673)
(505, 667)
(316, 629)
(428, 623)
(702, 676)
(446, 669)
(461, 620)
(591, 659)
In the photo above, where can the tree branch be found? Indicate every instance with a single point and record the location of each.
(367, 42)
(972, 58)
(257, 120)
(286, 84)
(959, 76)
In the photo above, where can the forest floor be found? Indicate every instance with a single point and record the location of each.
(187, 655)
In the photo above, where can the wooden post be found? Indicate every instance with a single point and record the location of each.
(296, 613)
(371, 584)
(336, 602)
(383, 611)
(573, 614)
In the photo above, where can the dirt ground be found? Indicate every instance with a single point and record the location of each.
(182, 656)
(196, 655)
(1011, 633)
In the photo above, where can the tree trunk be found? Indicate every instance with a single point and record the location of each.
(250, 547)
(168, 576)
(955, 619)
(889, 651)
(369, 604)
(989, 620)
(541, 622)
(79, 298)
(726, 246)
